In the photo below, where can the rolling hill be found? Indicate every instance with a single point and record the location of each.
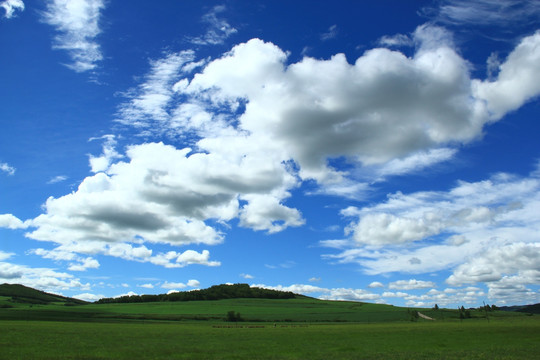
(23, 294)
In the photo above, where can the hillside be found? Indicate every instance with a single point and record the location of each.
(216, 292)
(23, 294)
(528, 309)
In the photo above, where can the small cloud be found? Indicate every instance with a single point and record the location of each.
(10, 6)
(315, 279)
(146, 286)
(172, 285)
(375, 284)
(129, 293)
(12, 222)
(411, 284)
(57, 179)
(397, 40)
(330, 34)
(7, 169)
(89, 297)
(247, 276)
(193, 283)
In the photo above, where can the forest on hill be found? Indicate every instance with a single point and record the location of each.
(216, 292)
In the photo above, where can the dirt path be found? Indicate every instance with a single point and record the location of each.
(425, 316)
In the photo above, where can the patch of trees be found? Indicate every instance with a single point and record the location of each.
(216, 292)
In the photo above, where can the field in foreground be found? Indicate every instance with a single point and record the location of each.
(509, 338)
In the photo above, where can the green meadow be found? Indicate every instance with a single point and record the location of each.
(473, 339)
(40, 327)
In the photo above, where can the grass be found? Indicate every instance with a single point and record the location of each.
(273, 329)
(514, 338)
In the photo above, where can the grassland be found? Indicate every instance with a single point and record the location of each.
(301, 328)
(473, 339)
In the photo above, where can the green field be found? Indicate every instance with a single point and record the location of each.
(36, 326)
(473, 339)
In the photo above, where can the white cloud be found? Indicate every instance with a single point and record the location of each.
(412, 284)
(57, 179)
(146, 286)
(10, 170)
(109, 154)
(375, 284)
(218, 28)
(171, 285)
(487, 12)
(483, 232)
(522, 260)
(150, 101)
(12, 222)
(193, 283)
(88, 297)
(325, 293)
(259, 127)
(77, 24)
(246, 276)
(518, 80)
(396, 40)
(350, 295)
(39, 278)
(10, 6)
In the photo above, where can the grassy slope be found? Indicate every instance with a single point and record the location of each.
(252, 310)
(23, 294)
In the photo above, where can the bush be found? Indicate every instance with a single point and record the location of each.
(233, 316)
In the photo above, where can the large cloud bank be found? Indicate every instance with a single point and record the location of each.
(256, 127)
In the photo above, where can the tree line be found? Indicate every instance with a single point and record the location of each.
(216, 292)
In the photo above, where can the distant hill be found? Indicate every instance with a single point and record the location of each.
(216, 292)
(529, 309)
(24, 294)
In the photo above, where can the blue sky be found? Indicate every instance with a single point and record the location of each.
(380, 151)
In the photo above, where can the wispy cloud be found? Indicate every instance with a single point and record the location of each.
(77, 24)
(485, 12)
(10, 170)
(218, 28)
(330, 33)
(57, 179)
(10, 6)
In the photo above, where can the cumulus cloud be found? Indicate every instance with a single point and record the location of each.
(483, 232)
(375, 284)
(77, 24)
(39, 278)
(12, 222)
(517, 82)
(172, 285)
(108, 156)
(88, 297)
(412, 284)
(325, 293)
(258, 127)
(10, 170)
(10, 6)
